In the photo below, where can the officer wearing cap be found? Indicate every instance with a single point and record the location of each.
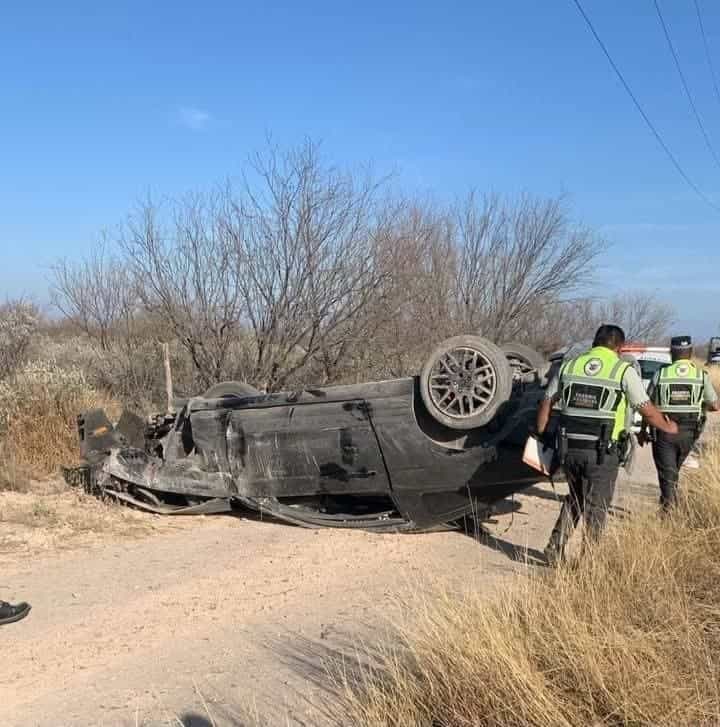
(683, 391)
(593, 391)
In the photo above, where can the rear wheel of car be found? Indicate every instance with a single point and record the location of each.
(465, 381)
(230, 388)
(523, 360)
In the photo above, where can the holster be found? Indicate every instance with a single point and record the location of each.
(562, 445)
(624, 448)
(603, 444)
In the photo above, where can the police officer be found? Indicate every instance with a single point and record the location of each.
(9, 612)
(593, 391)
(683, 392)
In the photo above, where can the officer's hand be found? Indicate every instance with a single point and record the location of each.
(671, 426)
(642, 438)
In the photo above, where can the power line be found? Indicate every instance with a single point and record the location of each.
(642, 113)
(706, 45)
(685, 86)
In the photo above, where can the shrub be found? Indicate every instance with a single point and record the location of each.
(18, 323)
(133, 375)
(630, 635)
(39, 405)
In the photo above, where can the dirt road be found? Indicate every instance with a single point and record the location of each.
(221, 617)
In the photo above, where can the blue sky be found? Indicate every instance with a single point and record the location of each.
(102, 102)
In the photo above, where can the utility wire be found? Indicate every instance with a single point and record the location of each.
(700, 124)
(642, 113)
(707, 50)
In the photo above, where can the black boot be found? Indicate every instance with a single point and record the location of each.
(555, 549)
(9, 613)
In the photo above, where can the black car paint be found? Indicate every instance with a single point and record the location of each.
(273, 451)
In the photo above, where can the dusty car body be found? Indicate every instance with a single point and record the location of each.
(396, 454)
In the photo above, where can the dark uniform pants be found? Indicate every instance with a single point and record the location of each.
(591, 488)
(669, 453)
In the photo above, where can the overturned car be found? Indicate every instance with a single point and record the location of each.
(404, 454)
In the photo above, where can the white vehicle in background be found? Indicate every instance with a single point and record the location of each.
(650, 359)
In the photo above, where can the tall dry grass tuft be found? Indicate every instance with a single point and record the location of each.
(628, 635)
(39, 405)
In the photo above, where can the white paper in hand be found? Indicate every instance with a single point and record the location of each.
(538, 456)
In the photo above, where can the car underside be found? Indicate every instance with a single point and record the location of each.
(403, 454)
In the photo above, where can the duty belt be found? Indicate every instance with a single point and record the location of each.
(581, 443)
(601, 444)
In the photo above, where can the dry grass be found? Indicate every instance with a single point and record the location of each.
(628, 636)
(51, 518)
(38, 410)
(39, 405)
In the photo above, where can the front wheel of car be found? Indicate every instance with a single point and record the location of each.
(465, 381)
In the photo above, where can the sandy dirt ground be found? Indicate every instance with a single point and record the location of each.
(222, 620)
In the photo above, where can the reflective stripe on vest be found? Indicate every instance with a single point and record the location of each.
(680, 388)
(591, 389)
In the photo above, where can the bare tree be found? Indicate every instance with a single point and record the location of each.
(95, 294)
(512, 257)
(186, 273)
(308, 271)
(504, 270)
(309, 243)
(416, 306)
(642, 315)
(554, 324)
(99, 298)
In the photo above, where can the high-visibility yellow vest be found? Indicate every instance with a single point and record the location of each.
(680, 388)
(591, 390)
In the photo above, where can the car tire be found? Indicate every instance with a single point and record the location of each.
(523, 360)
(230, 388)
(449, 382)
